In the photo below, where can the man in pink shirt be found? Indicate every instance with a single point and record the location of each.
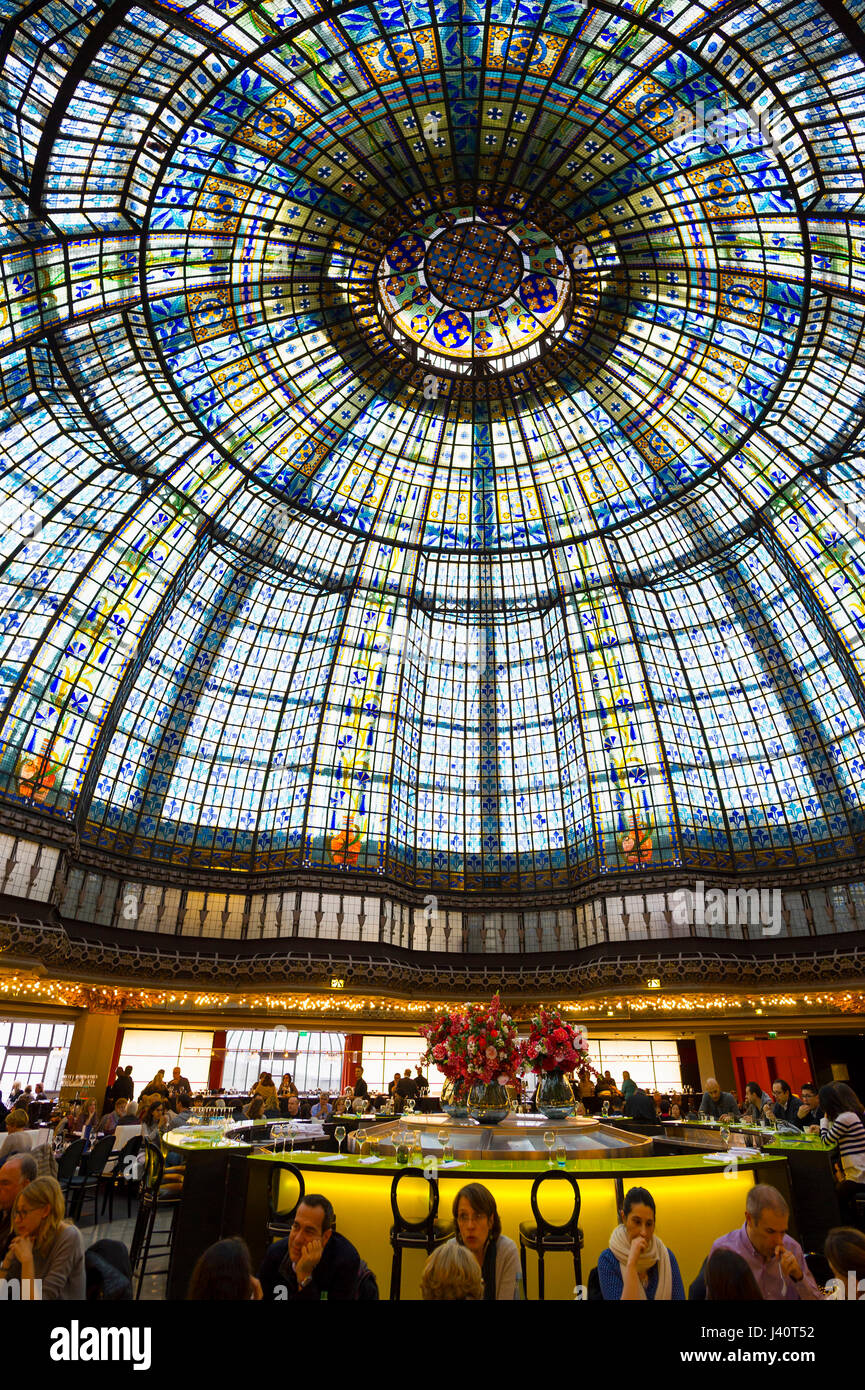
(774, 1258)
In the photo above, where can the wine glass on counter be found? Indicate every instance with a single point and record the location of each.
(339, 1135)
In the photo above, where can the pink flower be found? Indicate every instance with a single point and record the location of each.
(491, 1052)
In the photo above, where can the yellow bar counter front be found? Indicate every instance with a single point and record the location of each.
(697, 1200)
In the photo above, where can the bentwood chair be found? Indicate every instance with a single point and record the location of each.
(126, 1170)
(67, 1164)
(155, 1195)
(85, 1183)
(546, 1237)
(280, 1215)
(414, 1232)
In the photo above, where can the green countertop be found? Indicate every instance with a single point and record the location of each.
(516, 1168)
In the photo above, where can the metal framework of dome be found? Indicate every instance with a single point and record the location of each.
(432, 439)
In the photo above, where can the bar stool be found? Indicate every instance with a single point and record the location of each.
(405, 1234)
(155, 1196)
(279, 1222)
(543, 1236)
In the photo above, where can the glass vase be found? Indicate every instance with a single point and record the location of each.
(555, 1096)
(489, 1102)
(454, 1097)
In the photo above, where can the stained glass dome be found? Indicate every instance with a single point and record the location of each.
(432, 438)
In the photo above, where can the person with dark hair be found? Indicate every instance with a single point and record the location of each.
(756, 1101)
(224, 1274)
(15, 1174)
(786, 1105)
(255, 1110)
(845, 1251)
(182, 1113)
(774, 1258)
(151, 1115)
(640, 1106)
(313, 1260)
(265, 1088)
(361, 1089)
(636, 1264)
(479, 1228)
(810, 1111)
(850, 1099)
(124, 1086)
(728, 1278)
(842, 1126)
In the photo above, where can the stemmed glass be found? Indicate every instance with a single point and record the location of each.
(605, 1109)
(442, 1137)
(339, 1135)
(550, 1141)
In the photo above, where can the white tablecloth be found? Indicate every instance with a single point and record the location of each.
(38, 1137)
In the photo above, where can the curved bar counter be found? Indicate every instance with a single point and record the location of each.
(227, 1184)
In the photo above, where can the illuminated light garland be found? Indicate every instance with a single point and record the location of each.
(99, 998)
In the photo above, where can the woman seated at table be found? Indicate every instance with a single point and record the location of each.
(15, 1141)
(637, 1265)
(265, 1088)
(153, 1119)
(286, 1087)
(479, 1229)
(156, 1087)
(45, 1247)
(255, 1110)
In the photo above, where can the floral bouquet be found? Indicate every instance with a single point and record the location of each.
(553, 1045)
(443, 1044)
(476, 1045)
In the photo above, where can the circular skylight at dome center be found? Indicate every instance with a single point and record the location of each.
(474, 266)
(470, 288)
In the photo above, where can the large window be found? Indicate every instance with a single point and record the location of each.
(653, 1064)
(147, 1050)
(384, 1056)
(31, 1051)
(314, 1060)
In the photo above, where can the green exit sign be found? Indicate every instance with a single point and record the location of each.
(773, 1035)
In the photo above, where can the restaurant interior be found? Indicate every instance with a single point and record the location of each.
(432, 650)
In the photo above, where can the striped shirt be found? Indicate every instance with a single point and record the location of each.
(848, 1132)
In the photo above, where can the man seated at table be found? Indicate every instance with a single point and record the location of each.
(292, 1107)
(810, 1109)
(183, 1114)
(640, 1106)
(718, 1104)
(606, 1086)
(756, 1101)
(774, 1258)
(323, 1109)
(118, 1116)
(15, 1174)
(178, 1085)
(313, 1260)
(786, 1105)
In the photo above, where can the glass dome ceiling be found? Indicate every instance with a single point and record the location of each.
(431, 437)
